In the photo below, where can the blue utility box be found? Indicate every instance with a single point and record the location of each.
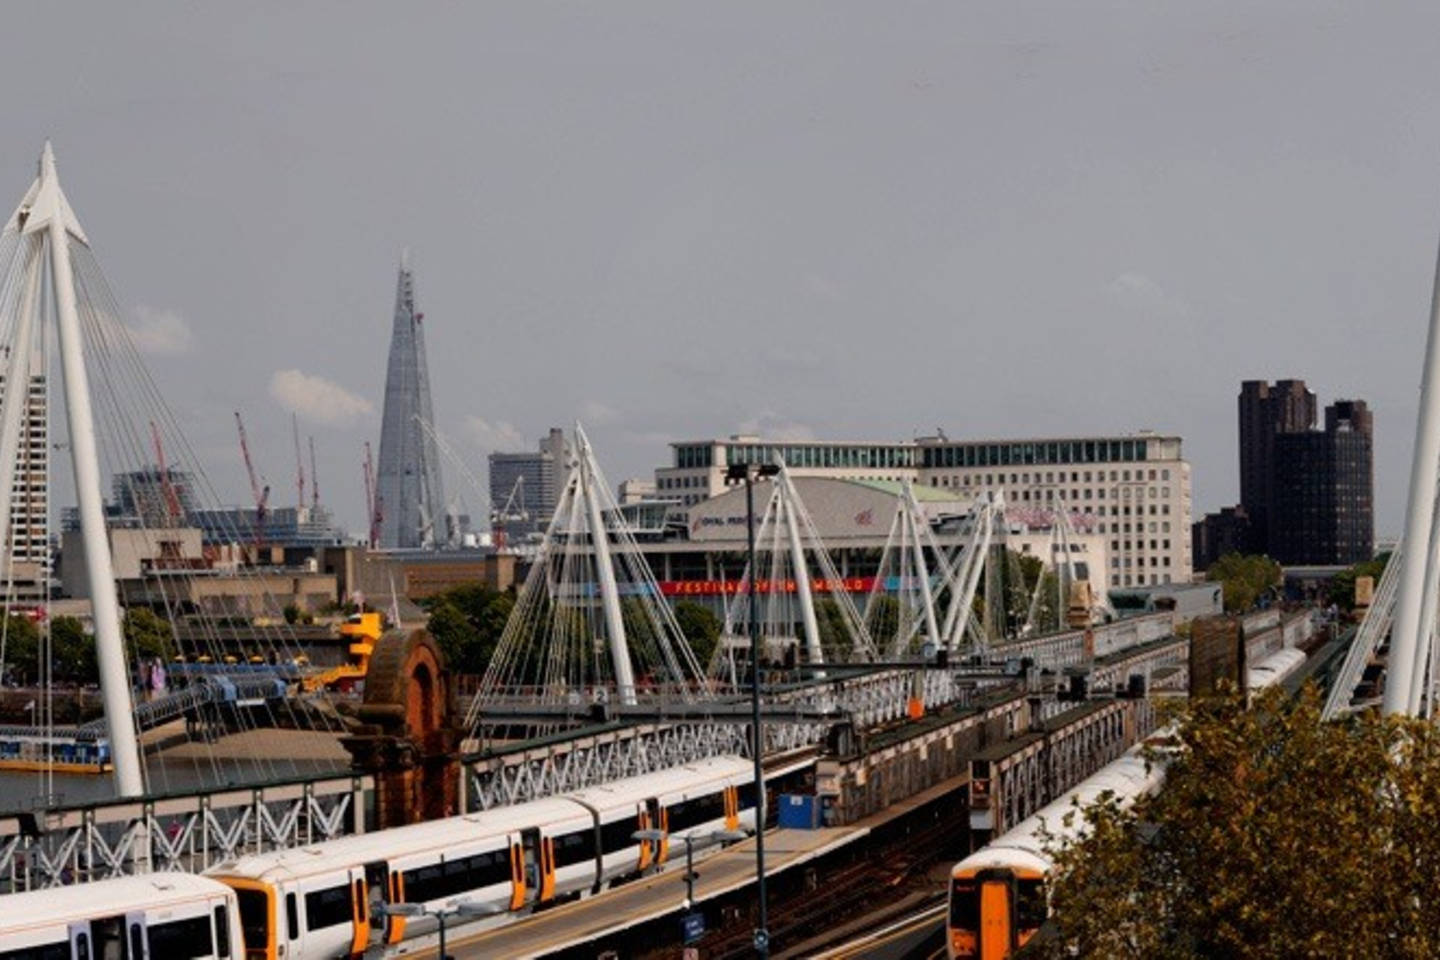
(799, 811)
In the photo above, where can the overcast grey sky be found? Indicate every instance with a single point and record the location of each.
(674, 220)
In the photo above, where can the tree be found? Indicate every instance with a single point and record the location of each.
(1342, 585)
(72, 652)
(147, 635)
(21, 661)
(701, 628)
(1245, 578)
(1276, 835)
(467, 622)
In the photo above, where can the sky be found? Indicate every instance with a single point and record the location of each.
(682, 220)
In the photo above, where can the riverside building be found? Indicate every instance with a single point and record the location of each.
(1131, 489)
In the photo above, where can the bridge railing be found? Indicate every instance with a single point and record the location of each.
(191, 832)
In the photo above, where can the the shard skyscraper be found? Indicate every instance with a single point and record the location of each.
(409, 498)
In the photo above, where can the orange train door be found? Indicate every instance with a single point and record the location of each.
(997, 915)
(642, 817)
(395, 929)
(360, 911)
(517, 876)
(547, 868)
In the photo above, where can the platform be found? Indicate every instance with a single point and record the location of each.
(647, 899)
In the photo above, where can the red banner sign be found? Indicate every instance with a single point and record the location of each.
(707, 588)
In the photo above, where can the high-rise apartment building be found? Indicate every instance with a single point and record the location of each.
(1132, 488)
(524, 487)
(1323, 509)
(1266, 411)
(30, 492)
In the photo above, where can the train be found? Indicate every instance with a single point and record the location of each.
(999, 898)
(154, 916)
(327, 900)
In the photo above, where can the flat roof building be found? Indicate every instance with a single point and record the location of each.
(1134, 489)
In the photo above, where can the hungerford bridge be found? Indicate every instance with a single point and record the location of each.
(592, 679)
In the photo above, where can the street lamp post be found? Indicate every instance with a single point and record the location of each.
(704, 839)
(458, 908)
(748, 472)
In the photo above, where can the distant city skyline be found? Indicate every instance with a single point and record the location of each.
(1000, 221)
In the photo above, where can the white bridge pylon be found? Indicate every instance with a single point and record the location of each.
(790, 557)
(36, 247)
(590, 624)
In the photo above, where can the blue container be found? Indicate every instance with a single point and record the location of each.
(799, 811)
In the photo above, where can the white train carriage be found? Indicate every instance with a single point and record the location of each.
(323, 901)
(998, 895)
(1274, 669)
(156, 916)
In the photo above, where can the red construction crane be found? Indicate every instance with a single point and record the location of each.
(172, 502)
(314, 478)
(261, 494)
(375, 509)
(299, 466)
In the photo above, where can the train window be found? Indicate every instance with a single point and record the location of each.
(619, 834)
(49, 951)
(692, 813)
(254, 919)
(137, 941)
(328, 908)
(181, 939)
(965, 905)
(292, 917)
(222, 932)
(460, 875)
(423, 883)
(577, 847)
(1030, 907)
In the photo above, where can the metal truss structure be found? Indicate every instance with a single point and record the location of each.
(543, 769)
(191, 833)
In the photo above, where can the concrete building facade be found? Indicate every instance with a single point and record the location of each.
(1133, 489)
(524, 487)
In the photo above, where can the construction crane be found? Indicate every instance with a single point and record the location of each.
(261, 494)
(509, 513)
(299, 468)
(374, 509)
(314, 478)
(172, 501)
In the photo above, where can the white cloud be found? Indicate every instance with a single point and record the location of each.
(316, 398)
(160, 332)
(498, 436)
(595, 413)
(769, 425)
(1139, 291)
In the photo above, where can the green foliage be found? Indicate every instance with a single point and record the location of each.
(833, 634)
(22, 649)
(292, 613)
(148, 635)
(467, 622)
(1245, 578)
(701, 628)
(1342, 585)
(884, 619)
(1276, 835)
(72, 652)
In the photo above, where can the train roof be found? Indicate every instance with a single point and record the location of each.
(344, 852)
(1127, 778)
(116, 896)
(689, 777)
(1276, 667)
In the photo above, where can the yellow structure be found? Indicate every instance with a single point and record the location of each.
(363, 630)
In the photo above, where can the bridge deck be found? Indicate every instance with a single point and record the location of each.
(650, 898)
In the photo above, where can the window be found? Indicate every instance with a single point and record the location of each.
(49, 951)
(292, 917)
(182, 939)
(1030, 905)
(457, 875)
(616, 835)
(577, 847)
(328, 908)
(694, 812)
(222, 932)
(254, 919)
(965, 905)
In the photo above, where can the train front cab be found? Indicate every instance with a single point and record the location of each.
(994, 911)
